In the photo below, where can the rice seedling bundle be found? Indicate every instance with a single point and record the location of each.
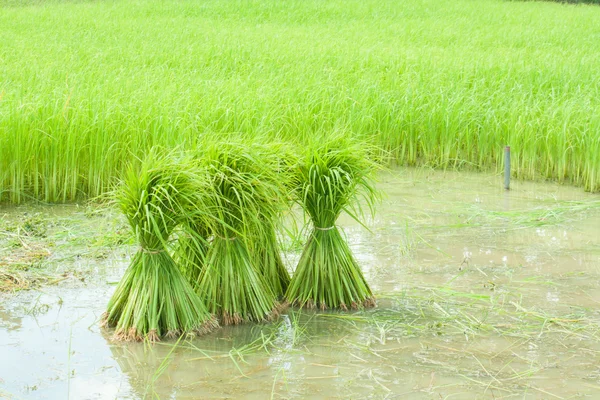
(191, 250)
(332, 177)
(243, 193)
(153, 299)
(268, 258)
(278, 159)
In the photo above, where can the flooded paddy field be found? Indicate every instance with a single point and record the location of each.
(481, 293)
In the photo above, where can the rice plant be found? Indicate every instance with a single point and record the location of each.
(263, 246)
(243, 192)
(278, 160)
(153, 299)
(444, 84)
(333, 177)
(192, 247)
(267, 254)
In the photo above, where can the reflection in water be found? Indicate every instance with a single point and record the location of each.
(9, 321)
(137, 361)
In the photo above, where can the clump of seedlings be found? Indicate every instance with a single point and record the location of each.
(271, 164)
(334, 176)
(192, 247)
(268, 257)
(224, 207)
(279, 161)
(153, 299)
(243, 193)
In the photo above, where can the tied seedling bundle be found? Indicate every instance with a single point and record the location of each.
(243, 192)
(279, 161)
(275, 161)
(192, 247)
(333, 176)
(153, 299)
(268, 257)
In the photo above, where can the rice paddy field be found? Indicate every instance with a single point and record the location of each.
(186, 187)
(87, 85)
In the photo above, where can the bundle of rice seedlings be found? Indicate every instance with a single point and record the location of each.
(192, 247)
(243, 194)
(275, 163)
(333, 176)
(280, 160)
(266, 252)
(153, 299)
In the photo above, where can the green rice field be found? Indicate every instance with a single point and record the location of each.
(88, 86)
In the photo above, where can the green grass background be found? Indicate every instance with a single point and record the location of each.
(87, 86)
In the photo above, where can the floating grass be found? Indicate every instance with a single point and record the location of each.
(243, 193)
(153, 299)
(331, 178)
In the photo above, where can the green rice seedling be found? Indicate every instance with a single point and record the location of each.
(268, 258)
(331, 178)
(276, 159)
(191, 249)
(153, 299)
(279, 160)
(442, 84)
(243, 193)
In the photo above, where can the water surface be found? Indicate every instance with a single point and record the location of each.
(482, 294)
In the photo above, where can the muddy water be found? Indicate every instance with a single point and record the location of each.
(483, 294)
